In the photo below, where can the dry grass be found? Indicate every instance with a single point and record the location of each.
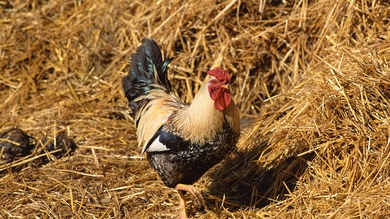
(313, 76)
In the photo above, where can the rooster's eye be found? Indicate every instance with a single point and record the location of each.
(214, 81)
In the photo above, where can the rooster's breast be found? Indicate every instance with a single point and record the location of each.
(185, 162)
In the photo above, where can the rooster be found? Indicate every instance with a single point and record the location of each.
(181, 141)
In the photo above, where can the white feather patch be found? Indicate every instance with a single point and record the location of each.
(156, 146)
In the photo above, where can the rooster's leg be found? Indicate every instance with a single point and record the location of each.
(199, 200)
(182, 205)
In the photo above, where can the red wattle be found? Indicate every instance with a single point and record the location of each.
(222, 100)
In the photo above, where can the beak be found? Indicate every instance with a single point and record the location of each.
(225, 86)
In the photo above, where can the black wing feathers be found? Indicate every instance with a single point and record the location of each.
(174, 142)
(147, 67)
(171, 141)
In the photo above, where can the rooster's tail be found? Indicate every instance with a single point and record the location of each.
(147, 68)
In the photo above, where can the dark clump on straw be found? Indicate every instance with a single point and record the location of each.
(18, 149)
(14, 143)
(58, 147)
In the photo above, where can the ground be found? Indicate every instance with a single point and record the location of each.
(311, 79)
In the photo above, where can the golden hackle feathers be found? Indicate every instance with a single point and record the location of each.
(155, 113)
(197, 122)
(201, 121)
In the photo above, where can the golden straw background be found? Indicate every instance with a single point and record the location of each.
(311, 78)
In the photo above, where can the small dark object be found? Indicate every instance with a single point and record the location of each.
(62, 142)
(14, 143)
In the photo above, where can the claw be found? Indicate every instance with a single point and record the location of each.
(199, 200)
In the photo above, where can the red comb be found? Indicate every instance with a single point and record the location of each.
(220, 74)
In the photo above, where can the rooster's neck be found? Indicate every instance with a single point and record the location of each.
(201, 121)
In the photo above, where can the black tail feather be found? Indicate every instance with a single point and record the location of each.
(147, 67)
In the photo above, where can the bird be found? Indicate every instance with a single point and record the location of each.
(181, 141)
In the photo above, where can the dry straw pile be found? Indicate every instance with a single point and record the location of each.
(312, 77)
